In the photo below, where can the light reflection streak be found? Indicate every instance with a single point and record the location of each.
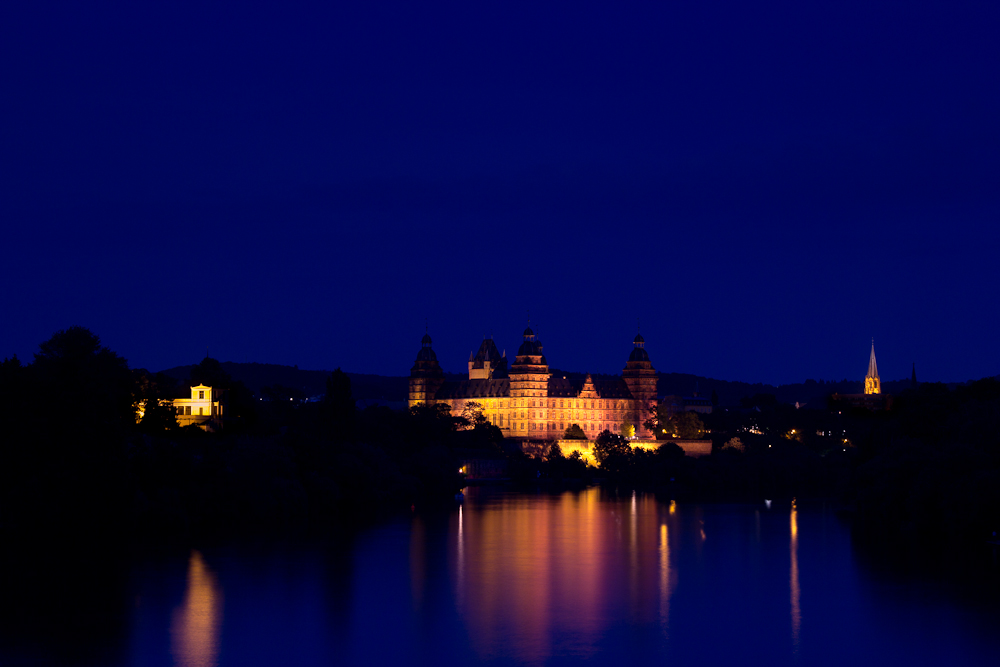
(794, 576)
(534, 575)
(530, 570)
(195, 627)
(667, 577)
(461, 556)
(632, 548)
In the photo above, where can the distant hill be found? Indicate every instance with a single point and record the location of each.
(811, 392)
(312, 383)
(364, 387)
(392, 388)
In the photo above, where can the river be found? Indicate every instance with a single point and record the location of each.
(511, 578)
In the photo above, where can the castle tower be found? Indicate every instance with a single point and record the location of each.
(529, 391)
(426, 376)
(872, 383)
(640, 376)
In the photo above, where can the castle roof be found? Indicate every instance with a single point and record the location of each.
(606, 387)
(558, 387)
(469, 389)
(487, 352)
(612, 387)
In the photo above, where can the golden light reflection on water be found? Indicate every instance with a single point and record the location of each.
(668, 577)
(537, 568)
(794, 576)
(196, 623)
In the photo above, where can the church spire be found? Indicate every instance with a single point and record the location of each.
(873, 384)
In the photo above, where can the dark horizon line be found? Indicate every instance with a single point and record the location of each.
(705, 377)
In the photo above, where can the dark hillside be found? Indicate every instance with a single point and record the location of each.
(311, 383)
(394, 388)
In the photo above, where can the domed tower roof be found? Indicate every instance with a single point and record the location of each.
(426, 353)
(638, 354)
(531, 345)
(638, 349)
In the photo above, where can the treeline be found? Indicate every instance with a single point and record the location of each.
(77, 460)
(308, 383)
(87, 448)
(928, 470)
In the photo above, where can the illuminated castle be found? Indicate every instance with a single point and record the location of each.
(872, 383)
(526, 401)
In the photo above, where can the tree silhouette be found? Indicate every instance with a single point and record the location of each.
(88, 385)
(338, 406)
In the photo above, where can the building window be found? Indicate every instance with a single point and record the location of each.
(187, 409)
(201, 394)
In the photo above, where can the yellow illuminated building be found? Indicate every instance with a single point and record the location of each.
(873, 398)
(872, 383)
(526, 401)
(204, 409)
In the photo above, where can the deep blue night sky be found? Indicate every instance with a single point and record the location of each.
(767, 187)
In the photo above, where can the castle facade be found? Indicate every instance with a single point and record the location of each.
(526, 401)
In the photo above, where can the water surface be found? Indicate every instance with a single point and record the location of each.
(589, 577)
